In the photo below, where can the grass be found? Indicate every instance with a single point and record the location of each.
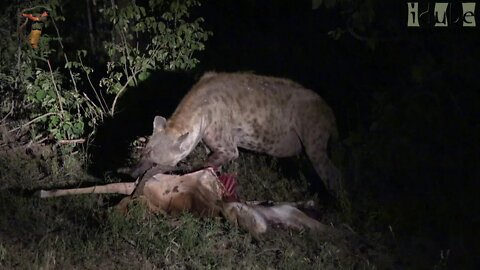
(83, 232)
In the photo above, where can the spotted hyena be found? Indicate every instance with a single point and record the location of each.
(230, 110)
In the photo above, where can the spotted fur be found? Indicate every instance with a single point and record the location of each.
(259, 113)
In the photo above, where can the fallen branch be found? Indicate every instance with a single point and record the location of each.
(77, 141)
(119, 188)
(32, 121)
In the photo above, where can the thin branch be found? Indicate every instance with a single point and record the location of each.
(35, 141)
(132, 70)
(114, 8)
(71, 72)
(93, 107)
(9, 113)
(125, 52)
(32, 121)
(134, 74)
(55, 87)
(103, 103)
(120, 93)
(90, 26)
(64, 54)
(77, 141)
(19, 49)
(90, 102)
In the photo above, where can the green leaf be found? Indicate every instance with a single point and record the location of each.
(161, 27)
(82, 53)
(140, 27)
(54, 120)
(143, 76)
(78, 128)
(40, 95)
(117, 87)
(46, 85)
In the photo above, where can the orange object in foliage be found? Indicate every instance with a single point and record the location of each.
(34, 38)
(37, 26)
(38, 18)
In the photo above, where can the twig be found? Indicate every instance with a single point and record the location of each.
(90, 26)
(19, 49)
(71, 141)
(91, 103)
(64, 54)
(120, 93)
(8, 114)
(114, 8)
(38, 141)
(32, 121)
(55, 87)
(125, 52)
(103, 103)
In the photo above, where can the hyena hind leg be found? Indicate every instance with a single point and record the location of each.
(328, 172)
(317, 130)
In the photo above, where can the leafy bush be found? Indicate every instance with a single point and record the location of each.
(63, 96)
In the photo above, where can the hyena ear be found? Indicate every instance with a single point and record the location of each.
(159, 123)
(182, 141)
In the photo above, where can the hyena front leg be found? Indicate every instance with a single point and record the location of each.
(221, 156)
(223, 148)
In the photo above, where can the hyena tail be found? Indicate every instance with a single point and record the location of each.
(318, 130)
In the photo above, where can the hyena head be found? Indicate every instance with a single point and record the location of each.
(165, 148)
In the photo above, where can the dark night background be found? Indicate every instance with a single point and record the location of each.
(407, 107)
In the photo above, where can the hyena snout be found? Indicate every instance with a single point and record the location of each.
(142, 166)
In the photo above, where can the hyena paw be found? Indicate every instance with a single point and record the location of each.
(334, 182)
